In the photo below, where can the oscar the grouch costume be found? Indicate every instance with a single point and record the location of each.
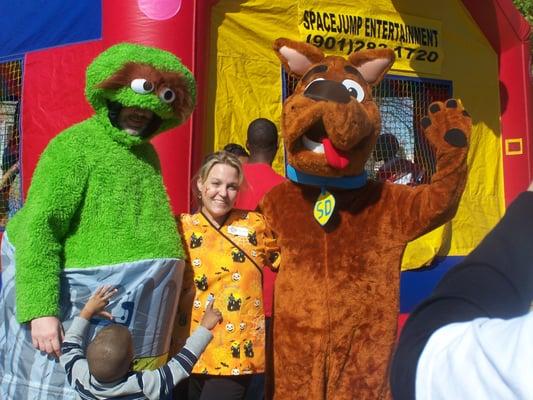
(97, 212)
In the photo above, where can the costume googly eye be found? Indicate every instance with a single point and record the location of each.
(355, 89)
(141, 86)
(167, 95)
(313, 81)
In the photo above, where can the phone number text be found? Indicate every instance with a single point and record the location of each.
(349, 46)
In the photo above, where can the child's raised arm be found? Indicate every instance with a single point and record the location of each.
(212, 316)
(98, 302)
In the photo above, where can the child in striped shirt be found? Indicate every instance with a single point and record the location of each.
(103, 371)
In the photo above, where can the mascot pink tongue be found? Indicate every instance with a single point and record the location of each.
(335, 158)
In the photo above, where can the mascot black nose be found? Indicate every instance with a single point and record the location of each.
(327, 90)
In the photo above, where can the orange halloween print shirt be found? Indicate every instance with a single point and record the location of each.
(227, 264)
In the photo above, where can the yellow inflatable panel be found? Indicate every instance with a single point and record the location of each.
(436, 42)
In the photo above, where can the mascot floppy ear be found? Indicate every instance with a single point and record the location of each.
(372, 64)
(297, 57)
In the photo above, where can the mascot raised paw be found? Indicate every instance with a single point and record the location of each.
(97, 212)
(342, 235)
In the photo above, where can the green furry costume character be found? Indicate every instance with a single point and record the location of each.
(97, 200)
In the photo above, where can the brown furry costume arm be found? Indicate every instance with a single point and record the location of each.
(425, 207)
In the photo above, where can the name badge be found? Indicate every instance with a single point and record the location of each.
(238, 231)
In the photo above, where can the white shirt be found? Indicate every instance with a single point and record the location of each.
(480, 359)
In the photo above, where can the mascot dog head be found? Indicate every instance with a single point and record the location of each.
(330, 123)
(143, 78)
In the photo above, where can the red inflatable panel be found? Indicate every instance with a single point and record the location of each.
(123, 21)
(53, 99)
(54, 82)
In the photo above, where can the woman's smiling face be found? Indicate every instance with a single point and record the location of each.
(219, 192)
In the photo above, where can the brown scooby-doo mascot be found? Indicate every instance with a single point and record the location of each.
(337, 293)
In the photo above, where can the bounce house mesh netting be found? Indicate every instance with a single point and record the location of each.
(10, 96)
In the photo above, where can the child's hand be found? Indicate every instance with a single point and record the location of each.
(98, 302)
(211, 317)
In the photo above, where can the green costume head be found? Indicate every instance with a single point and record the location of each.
(140, 77)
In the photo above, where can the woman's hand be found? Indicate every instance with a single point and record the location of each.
(47, 335)
(98, 302)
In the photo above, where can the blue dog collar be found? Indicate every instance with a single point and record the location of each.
(345, 182)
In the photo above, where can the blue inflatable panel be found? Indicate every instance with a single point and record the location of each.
(29, 25)
(417, 285)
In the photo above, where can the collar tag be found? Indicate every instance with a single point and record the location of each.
(324, 207)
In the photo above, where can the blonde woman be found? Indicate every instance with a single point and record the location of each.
(226, 249)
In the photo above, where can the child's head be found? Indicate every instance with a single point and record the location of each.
(110, 353)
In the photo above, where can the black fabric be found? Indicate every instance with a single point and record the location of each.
(494, 281)
(210, 387)
(181, 390)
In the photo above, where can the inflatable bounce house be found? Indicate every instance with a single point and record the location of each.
(476, 51)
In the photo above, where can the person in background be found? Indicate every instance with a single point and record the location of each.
(239, 151)
(260, 177)
(262, 142)
(226, 252)
(472, 338)
(10, 171)
(104, 370)
(395, 169)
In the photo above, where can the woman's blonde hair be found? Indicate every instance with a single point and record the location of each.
(218, 157)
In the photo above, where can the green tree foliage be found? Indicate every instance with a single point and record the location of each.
(526, 8)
